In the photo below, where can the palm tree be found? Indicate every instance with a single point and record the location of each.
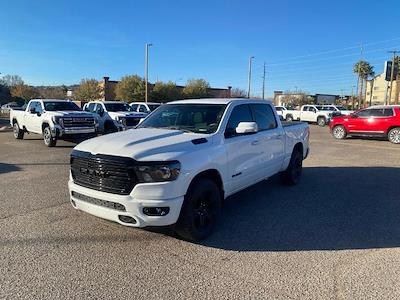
(363, 69)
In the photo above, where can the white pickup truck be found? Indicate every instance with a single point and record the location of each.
(309, 113)
(182, 161)
(54, 119)
(114, 116)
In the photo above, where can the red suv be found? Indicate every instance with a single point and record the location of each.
(372, 121)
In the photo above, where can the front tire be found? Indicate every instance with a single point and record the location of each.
(18, 132)
(48, 139)
(321, 121)
(394, 135)
(289, 118)
(292, 175)
(200, 211)
(339, 132)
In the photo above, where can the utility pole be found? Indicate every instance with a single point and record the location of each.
(391, 75)
(263, 87)
(146, 71)
(249, 79)
(359, 82)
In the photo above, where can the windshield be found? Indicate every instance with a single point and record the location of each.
(199, 118)
(153, 106)
(114, 107)
(60, 105)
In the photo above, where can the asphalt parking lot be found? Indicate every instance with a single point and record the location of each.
(334, 236)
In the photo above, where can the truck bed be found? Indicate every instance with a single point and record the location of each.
(287, 124)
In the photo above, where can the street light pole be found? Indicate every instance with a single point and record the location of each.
(146, 71)
(391, 75)
(249, 79)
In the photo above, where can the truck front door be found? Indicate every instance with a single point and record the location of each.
(32, 119)
(243, 151)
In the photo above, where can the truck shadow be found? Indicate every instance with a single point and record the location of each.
(331, 209)
(7, 168)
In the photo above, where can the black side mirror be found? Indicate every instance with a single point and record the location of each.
(32, 110)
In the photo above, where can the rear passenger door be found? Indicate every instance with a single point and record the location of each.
(270, 137)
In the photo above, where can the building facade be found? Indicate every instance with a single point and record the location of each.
(378, 91)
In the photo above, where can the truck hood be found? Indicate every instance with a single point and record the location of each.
(125, 114)
(71, 114)
(146, 144)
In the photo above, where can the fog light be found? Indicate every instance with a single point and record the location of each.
(155, 211)
(127, 219)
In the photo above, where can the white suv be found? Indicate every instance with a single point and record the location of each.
(145, 107)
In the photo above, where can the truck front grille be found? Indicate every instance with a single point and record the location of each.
(107, 173)
(78, 122)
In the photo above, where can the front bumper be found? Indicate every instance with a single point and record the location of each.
(59, 131)
(108, 206)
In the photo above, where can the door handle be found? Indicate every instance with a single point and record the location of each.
(256, 142)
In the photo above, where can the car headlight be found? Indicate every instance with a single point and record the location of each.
(158, 171)
(57, 120)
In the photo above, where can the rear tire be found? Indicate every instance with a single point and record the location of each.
(321, 121)
(394, 135)
(48, 139)
(292, 175)
(18, 132)
(339, 132)
(200, 211)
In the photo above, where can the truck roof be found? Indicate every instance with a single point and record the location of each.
(52, 100)
(218, 101)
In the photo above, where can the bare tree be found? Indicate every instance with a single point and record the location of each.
(238, 93)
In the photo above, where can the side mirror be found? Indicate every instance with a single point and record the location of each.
(32, 110)
(246, 127)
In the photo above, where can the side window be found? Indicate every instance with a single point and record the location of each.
(142, 108)
(263, 116)
(278, 108)
(388, 112)
(91, 107)
(240, 113)
(39, 108)
(99, 108)
(363, 113)
(134, 107)
(32, 104)
(312, 109)
(305, 108)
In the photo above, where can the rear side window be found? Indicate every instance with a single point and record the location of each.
(263, 116)
(90, 107)
(388, 112)
(240, 113)
(134, 107)
(278, 108)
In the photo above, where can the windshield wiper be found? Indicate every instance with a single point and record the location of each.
(178, 128)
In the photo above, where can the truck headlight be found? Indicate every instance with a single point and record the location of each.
(57, 120)
(158, 171)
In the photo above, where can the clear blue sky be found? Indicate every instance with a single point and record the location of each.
(308, 45)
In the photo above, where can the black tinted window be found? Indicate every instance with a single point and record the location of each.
(240, 113)
(278, 108)
(263, 116)
(381, 112)
(90, 107)
(363, 113)
(61, 105)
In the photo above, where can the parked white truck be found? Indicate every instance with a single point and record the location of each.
(114, 116)
(53, 119)
(308, 113)
(182, 161)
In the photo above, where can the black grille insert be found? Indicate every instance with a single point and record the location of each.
(99, 202)
(78, 122)
(107, 173)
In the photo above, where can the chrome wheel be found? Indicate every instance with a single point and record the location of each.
(394, 135)
(16, 130)
(339, 132)
(321, 122)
